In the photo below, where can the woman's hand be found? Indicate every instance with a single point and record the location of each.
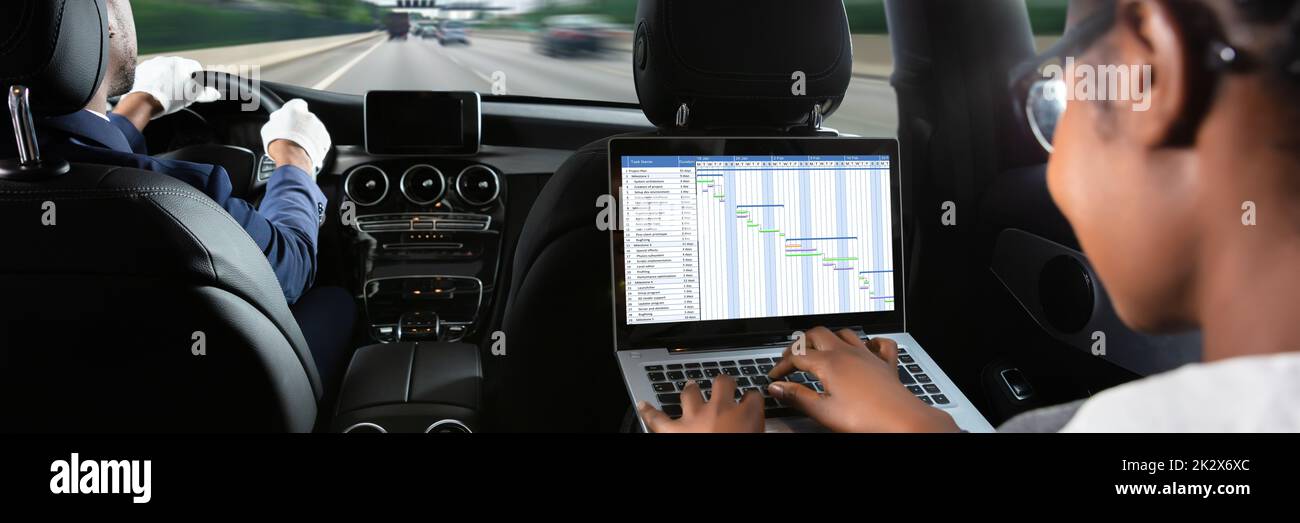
(721, 414)
(863, 393)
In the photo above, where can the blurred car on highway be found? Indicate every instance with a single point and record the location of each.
(573, 35)
(452, 32)
(425, 30)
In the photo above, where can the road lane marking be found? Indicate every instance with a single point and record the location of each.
(334, 77)
(482, 76)
(608, 69)
(453, 59)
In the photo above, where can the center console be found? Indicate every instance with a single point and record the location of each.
(426, 233)
(411, 388)
(424, 217)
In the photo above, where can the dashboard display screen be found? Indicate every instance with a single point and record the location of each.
(422, 122)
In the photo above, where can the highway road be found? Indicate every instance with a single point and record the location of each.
(868, 110)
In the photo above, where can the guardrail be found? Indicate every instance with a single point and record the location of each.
(267, 54)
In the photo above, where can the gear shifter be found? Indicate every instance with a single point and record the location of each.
(419, 326)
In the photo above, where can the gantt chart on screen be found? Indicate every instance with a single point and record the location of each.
(732, 237)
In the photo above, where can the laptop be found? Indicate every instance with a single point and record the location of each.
(728, 248)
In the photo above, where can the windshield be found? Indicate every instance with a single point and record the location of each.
(567, 49)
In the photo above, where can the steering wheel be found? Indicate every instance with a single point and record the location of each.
(265, 99)
(248, 170)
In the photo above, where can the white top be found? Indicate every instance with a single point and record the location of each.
(99, 114)
(1246, 394)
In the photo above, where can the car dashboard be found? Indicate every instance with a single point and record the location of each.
(422, 241)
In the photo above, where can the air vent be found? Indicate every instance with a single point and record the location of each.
(423, 184)
(464, 222)
(478, 185)
(424, 222)
(365, 428)
(367, 185)
(448, 426)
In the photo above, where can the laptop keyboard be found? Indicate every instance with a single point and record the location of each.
(751, 374)
(918, 382)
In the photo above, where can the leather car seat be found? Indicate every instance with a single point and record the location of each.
(732, 64)
(131, 301)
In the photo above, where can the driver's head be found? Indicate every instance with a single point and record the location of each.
(122, 49)
(1156, 196)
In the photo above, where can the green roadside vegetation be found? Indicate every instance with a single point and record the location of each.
(1046, 17)
(172, 25)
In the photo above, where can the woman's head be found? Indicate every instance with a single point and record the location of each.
(1156, 191)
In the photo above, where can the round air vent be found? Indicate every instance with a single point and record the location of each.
(423, 184)
(367, 185)
(365, 428)
(478, 185)
(448, 426)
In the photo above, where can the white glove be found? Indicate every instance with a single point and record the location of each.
(295, 123)
(169, 80)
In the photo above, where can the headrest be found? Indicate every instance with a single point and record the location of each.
(734, 62)
(57, 48)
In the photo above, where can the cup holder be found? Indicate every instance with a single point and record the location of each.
(448, 426)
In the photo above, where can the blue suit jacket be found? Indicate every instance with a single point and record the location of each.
(285, 227)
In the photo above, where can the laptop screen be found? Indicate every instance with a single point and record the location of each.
(791, 230)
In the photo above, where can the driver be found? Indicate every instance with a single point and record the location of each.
(287, 223)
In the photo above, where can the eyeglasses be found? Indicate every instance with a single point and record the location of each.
(1043, 98)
